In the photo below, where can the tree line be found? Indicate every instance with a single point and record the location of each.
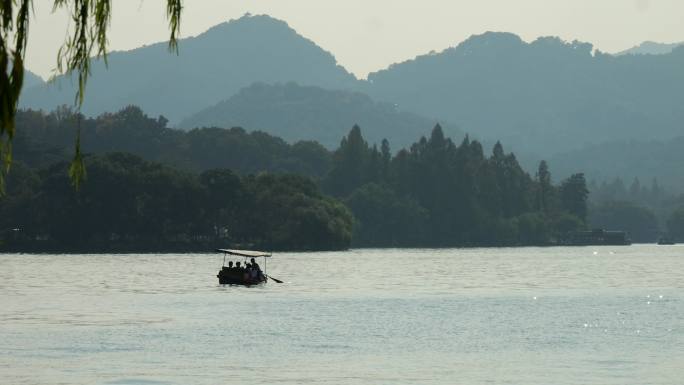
(45, 138)
(646, 211)
(230, 186)
(129, 204)
(437, 193)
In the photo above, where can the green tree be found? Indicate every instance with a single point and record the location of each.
(137, 205)
(386, 156)
(384, 218)
(639, 222)
(350, 164)
(544, 188)
(130, 199)
(224, 193)
(44, 138)
(565, 222)
(573, 195)
(533, 229)
(289, 212)
(675, 224)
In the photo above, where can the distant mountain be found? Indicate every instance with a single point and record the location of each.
(31, 79)
(650, 48)
(209, 68)
(627, 159)
(542, 97)
(295, 112)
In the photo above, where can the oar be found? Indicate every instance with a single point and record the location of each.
(277, 280)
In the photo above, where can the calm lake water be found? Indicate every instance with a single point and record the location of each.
(587, 315)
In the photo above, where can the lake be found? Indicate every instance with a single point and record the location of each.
(581, 315)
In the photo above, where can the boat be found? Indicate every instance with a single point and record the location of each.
(666, 241)
(231, 275)
(597, 237)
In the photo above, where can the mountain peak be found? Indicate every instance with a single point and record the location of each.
(294, 112)
(209, 68)
(248, 21)
(651, 48)
(492, 39)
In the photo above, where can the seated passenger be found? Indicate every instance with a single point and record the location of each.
(247, 271)
(255, 265)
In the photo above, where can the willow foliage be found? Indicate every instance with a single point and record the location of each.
(90, 21)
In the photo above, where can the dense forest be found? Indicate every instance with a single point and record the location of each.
(646, 211)
(437, 193)
(44, 138)
(129, 204)
(182, 189)
(643, 159)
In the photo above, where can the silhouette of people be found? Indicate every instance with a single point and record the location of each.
(248, 271)
(258, 274)
(229, 267)
(253, 273)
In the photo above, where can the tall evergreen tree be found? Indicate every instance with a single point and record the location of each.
(574, 194)
(386, 158)
(350, 162)
(544, 188)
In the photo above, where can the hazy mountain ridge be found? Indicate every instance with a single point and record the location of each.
(296, 112)
(209, 68)
(31, 79)
(628, 159)
(543, 97)
(650, 48)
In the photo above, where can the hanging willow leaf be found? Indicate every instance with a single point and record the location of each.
(77, 169)
(90, 21)
(3, 169)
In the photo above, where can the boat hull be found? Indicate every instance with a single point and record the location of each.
(231, 278)
(597, 237)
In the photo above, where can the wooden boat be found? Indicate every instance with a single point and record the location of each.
(666, 241)
(231, 275)
(596, 237)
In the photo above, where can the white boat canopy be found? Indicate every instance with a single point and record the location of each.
(245, 253)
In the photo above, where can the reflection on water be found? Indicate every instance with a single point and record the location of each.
(594, 315)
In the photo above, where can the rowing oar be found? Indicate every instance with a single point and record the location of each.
(277, 280)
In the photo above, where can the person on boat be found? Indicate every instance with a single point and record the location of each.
(237, 266)
(253, 273)
(247, 272)
(227, 268)
(259, 274)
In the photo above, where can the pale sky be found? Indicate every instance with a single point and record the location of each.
(367, 35)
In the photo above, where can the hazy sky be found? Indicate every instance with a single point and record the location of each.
(367, 35)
